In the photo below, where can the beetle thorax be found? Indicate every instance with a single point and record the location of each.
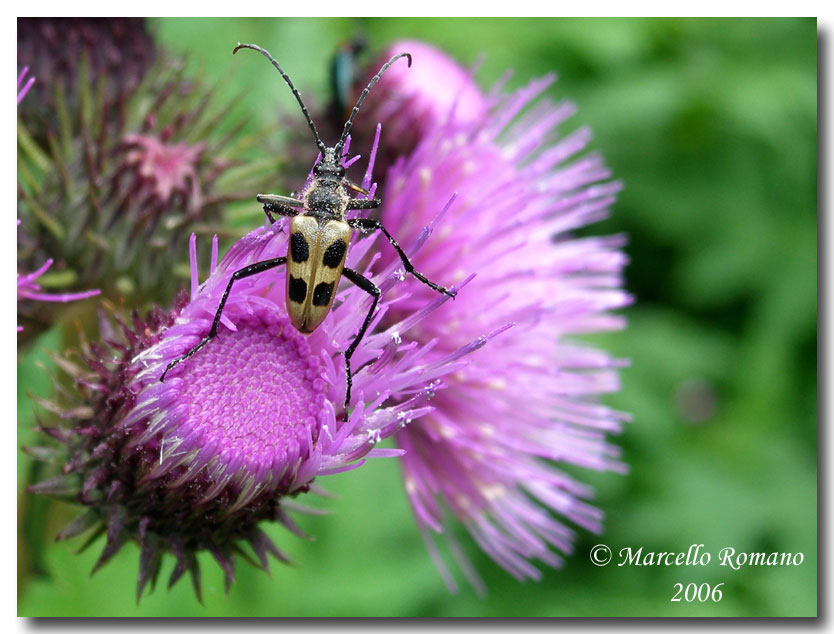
(326, 198)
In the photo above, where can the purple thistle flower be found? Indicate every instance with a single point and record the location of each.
(488, 453)
(283, 389)
(197, 462)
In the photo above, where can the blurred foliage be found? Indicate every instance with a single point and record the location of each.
(711, 125)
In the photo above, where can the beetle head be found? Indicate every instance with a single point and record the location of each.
(330, 167)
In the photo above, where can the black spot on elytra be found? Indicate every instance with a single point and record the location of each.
(299, 249)
(322, 293)
(334, 254)
(298, 290)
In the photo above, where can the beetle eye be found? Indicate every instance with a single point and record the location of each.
(317, 169)
(341, 171)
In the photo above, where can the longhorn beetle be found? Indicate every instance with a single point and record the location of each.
(319, 236)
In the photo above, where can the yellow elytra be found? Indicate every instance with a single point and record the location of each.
(315, 260)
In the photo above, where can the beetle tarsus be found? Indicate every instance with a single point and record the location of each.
(252, 269)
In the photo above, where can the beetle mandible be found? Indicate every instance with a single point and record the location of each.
(320, 234)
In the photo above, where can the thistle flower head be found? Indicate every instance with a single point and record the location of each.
(254, 409)
(488, 454)
(119, 187)
(247, 422)
(164, 169)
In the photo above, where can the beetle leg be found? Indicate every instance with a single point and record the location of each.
(280, 200)
(252, 269)
(366, 225)
(281, 210)
(366, 285)
(363, 203)
(354, 187)
(281, 205)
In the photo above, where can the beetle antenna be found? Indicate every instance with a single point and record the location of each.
(364, 94)
(295, 92)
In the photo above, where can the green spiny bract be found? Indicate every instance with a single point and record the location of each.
(117, 187)
(117, 53)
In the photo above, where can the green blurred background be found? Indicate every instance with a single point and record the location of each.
(711, 125)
